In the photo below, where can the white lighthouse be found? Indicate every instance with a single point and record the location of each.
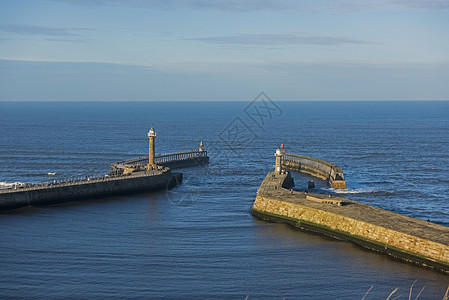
(278, 154)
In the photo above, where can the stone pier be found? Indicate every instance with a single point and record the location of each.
(402, 237)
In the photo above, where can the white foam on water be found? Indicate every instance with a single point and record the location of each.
(354, 191)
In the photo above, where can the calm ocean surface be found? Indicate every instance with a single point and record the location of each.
(199, 241)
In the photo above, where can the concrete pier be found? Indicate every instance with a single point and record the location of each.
(402, 237)
(45, 194)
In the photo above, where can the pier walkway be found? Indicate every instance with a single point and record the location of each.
(89, 188)
(171, 160)
(23, 187)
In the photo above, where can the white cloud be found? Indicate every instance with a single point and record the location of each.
(318, 6)
(279, 39)
(41, 30)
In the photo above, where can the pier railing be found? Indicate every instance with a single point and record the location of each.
(316, 167)
(79, 181)
(165, 158)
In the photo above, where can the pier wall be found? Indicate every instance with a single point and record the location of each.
(396, 240)
(87, 189)
(315, 167)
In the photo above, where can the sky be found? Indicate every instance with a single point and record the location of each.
(209, 50)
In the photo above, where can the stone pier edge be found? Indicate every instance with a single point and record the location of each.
(391, 251)
(272, 207)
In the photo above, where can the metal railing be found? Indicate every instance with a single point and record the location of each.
(298, 158)
(164, 158)
(80, 181)
(329, 168)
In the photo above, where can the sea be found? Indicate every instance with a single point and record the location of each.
(199, 240)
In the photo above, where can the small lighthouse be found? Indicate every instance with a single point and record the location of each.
(278, 154)
(151, 136)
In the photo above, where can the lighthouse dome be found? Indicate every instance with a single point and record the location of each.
(152, 132)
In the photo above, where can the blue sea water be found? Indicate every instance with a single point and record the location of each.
(199, 241)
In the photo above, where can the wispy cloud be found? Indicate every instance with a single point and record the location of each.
(229, 5)
(36, 30)
(428, 4)
(279, 39)
(353, 6)
(317, 6)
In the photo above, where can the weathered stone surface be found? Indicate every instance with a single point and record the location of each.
(419, 241)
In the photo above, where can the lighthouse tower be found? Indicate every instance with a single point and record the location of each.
(151, 136)
(278, 154)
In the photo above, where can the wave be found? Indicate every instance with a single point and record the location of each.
(442, 180)
(354, 191)
(39, 174)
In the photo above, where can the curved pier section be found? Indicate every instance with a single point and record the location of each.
(315, 167)
(405, 238)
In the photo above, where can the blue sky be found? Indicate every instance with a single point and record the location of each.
(224, 50)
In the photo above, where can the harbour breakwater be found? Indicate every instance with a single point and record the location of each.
(147, 173)
(315, 167)
(402, 237)
(89, 188)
